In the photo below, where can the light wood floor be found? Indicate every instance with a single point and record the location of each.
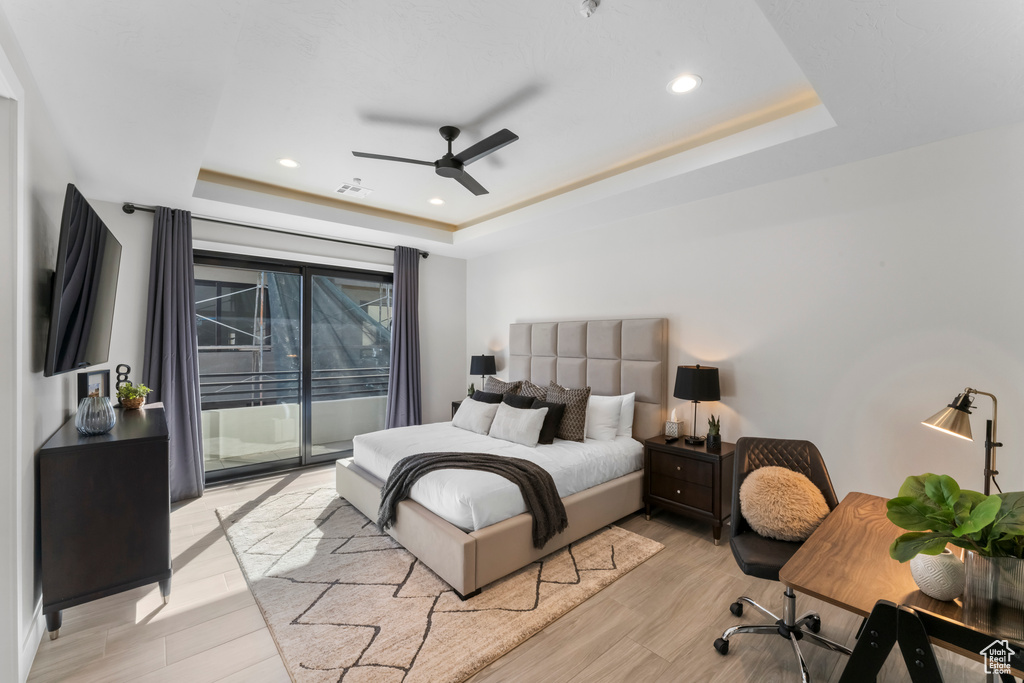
(655, 624)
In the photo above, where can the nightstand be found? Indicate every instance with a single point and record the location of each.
(455, 406)
(689, 480)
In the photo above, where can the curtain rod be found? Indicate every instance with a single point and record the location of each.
(130, 208)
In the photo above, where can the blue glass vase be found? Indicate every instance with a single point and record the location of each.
(95, 416)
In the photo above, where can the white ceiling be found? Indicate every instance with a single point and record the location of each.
(145, 95)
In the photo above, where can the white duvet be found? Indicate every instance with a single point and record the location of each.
(473, 500)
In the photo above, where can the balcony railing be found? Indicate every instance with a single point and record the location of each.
(245, 389)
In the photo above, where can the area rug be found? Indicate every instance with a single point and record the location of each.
(347, 603)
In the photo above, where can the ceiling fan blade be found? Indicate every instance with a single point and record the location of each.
(367, 155)
(486, 146)
(470, 183)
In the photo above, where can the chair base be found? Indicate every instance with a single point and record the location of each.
(789, 627)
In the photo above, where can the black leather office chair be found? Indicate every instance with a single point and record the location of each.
(764, 557)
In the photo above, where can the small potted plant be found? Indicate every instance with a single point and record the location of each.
(714, 442)
(132, 396)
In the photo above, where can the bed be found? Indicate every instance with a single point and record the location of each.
(613, 357)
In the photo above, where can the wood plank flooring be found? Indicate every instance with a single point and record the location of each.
(655, 624)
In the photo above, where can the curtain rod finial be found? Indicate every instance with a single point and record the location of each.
(128, 208)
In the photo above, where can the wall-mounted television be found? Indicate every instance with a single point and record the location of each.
(84, 285)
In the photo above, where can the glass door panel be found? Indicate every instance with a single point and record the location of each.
(350, 350)
(249, 325)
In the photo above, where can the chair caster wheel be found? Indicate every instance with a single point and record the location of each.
(814, 625)
(722, 646)
(737, 609)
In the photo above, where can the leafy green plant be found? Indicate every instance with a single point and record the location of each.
(129, 391)
(714, 426)
(472, 390)
(936, 511)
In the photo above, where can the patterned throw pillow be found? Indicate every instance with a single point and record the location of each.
(574, 422)
(528, 388)
(496, 386)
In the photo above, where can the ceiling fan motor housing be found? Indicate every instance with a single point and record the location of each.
(448, 167)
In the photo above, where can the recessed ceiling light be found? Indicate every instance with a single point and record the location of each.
(288, 163)
(437, 201)
(684, 83)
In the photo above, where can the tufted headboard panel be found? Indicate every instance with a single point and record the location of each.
(612, 357)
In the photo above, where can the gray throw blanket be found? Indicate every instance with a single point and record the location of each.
(534, 482)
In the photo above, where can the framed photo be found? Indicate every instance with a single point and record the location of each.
(96, 383)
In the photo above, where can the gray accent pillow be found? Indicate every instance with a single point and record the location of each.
(496, 386)
(475, 416)
(518, 425)
(574, 423)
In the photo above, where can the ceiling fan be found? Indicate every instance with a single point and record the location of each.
(453, 165)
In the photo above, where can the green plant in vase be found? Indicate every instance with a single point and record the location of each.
(472, 390)
(936, 511)
(132, 396)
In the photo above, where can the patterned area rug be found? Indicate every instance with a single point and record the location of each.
(347, 603)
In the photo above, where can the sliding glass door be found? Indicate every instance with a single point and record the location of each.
(293, 362)
(350, 355)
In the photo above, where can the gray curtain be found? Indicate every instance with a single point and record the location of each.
(404, 379)
(171, 362)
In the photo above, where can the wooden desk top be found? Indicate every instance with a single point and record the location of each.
(846, 562)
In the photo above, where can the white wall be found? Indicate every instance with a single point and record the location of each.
(843, 306)
(41, 404)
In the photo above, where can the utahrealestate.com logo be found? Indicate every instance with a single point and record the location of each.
(997, 657)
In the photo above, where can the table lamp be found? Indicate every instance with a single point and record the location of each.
(955, 419)
(482, 365)
(696, 383)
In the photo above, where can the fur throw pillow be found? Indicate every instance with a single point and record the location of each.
(780, 503)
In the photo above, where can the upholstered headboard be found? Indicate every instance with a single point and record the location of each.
(612, 357)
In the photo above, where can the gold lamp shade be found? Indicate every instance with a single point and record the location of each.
(954, 419)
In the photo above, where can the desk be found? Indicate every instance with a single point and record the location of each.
(846, 563)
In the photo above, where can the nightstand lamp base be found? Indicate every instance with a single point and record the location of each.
(694, 440)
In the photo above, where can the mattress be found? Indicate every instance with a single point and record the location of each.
(472, 500)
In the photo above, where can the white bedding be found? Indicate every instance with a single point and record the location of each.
(473, 500)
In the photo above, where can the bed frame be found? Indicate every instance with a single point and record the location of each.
(612, 357)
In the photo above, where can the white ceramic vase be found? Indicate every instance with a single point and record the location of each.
(939, 576)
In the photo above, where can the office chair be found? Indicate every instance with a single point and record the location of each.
(764, 557)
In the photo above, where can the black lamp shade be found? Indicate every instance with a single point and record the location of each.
(482, 365)
(697, 383)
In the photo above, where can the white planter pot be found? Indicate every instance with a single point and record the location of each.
(939, 576)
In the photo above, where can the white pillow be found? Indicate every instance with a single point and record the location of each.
(626, 416)
(518, 425)
(603, 416)
(475, 416)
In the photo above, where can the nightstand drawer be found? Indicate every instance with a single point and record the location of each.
(682, 492)
(683, 468)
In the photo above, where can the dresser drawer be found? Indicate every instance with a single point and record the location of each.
(680, 467)
(682, 492)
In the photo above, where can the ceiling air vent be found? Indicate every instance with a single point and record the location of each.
(354, 189)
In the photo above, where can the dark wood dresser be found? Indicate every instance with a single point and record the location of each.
(105, 512)
(689, 480)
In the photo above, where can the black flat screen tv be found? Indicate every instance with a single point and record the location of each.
(84, 285)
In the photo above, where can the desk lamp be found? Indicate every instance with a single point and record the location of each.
(955, 419)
